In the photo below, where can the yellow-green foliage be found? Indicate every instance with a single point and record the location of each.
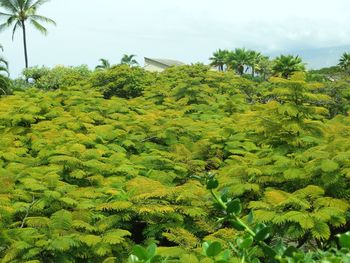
(83, 178)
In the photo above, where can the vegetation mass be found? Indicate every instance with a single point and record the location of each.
(245, 160)
(96, 162)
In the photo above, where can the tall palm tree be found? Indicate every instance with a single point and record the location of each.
(104, 64)
(219, 59)
(18, 12)
(344, 61)
(129, 60)
(238, 60)
(254, 59)
(287, 65)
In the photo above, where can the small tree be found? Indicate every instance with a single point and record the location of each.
(129, 60)
(287, 65)
(104, 64)
(344, 62)
(219, 59)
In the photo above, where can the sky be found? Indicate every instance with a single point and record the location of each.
(185, 30)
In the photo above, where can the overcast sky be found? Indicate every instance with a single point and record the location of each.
(186, 30)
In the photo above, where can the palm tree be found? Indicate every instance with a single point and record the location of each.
(129, 60)
(254, 59)
(4, 73)
(238, 60)
(3, 64)
(344, 61)
(18, 13)
(219, 59)
(287, 65)
(104, 64)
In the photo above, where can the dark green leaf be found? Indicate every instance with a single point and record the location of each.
(258, 227)
(224, 195)
(344, 240)
(263, 234)
(234, 207)
(244, 243)
(140, 252)
(268, 251)
(214, 249)
(212, 184)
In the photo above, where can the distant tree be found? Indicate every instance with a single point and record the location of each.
(238, 60)
(129, 60)
(344, 61)
(254, 59)
(219, 59)
(18, 13)
(4, 73)
(286, 65)
(3, 64)
(104, 64)
(264, 67)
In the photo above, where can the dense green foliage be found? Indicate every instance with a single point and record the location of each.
(94, 163)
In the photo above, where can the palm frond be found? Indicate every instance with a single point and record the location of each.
(9, 6)
(18, 24)
(38, 3)
(43, 19)
(38, 26)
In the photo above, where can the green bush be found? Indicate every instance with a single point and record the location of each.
(57, 77)
(121, 81)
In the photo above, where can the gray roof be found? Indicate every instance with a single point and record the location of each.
(166, 62)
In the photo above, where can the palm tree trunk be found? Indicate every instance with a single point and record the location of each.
(25, 44)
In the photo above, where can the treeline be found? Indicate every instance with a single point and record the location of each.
(260, 67)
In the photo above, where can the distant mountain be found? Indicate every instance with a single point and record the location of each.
(320, 57)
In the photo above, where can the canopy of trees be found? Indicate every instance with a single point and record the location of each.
(96, 162)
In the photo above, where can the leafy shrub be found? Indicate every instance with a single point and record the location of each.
(57, 77)
(121, 81)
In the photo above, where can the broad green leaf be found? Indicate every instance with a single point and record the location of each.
(140, 252)
(234, 207)
(263, 234)
(344, 240)
(214, 249)
(244, 243)
(212, 184)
